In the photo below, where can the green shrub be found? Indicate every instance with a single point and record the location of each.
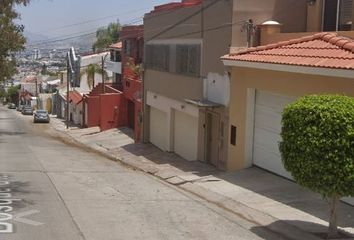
(317, 145)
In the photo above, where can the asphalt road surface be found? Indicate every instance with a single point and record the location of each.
(53, 191)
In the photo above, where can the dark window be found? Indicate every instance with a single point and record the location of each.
(188, 59)
(127, 84)
(117, 57)
(117, 78)
(338, 15)
(112, 55)
(140, 51)
(157, 57)
(233, 135)
(127, 47)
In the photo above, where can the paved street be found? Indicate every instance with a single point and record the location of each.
(60, 192)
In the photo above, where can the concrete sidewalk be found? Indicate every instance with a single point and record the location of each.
(265, 200)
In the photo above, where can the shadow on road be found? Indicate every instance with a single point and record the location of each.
(314, 229)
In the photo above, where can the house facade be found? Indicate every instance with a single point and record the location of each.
(186, 86)
(132, 57)
(287, 65)
(265, 79)
(119, 102)
(76, 107)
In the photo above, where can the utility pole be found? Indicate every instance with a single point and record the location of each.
(37, 92)
(103, 80)
(68, 68)
(103, 74)
(67, 102)
(250, 30)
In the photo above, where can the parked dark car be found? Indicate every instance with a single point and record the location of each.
(11, 106)
(41, 116)
(27, 110)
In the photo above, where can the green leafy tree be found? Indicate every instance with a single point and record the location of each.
(106, 36)
(90, 71)
(318, 147)
(2, 94)
(11, 36)
(12, 94)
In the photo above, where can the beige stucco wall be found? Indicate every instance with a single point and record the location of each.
(278, 82)
(157, 23)
(216, 42)
(314, 24)
(314, 17)
(278, 37)
(291, 13)
(178, 87)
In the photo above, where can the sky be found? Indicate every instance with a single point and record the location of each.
(52, 17)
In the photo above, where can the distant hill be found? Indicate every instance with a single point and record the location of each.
(83, 42)
(34, 37)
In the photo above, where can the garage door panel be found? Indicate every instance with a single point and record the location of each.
(267, 120)
(274, 101)
(272, 141)
(267, 162)
(186, 135)
(267, 128)
(158, 128)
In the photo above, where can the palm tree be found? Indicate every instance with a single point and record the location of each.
(90, 71)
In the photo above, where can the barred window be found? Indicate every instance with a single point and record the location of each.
(157, 57)
(188, 59)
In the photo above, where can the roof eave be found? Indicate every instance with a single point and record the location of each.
(321, 71)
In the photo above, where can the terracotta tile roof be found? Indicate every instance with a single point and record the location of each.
(75, 97)
(117, 45)
(326, 50)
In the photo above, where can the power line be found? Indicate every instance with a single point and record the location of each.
(226, 25)
(184, 19)
(170, 27)
(155, 36)
(62, 38)
(88, 21)
(81, 34)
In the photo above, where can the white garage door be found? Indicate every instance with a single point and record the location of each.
(186, 135)
(268, 115)
(158, 128)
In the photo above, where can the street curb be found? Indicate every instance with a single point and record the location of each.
(256, 217)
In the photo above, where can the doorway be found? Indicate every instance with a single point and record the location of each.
(131, 114)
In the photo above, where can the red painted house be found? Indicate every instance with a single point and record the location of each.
(132, 58)
(105, 110)
(119, 104)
